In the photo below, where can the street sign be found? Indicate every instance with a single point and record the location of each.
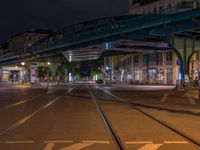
(179, 62)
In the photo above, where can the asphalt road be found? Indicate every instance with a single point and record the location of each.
(90, 117)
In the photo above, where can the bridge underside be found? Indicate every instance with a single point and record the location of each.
(115, 48)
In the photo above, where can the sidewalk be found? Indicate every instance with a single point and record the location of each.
(143, 87)
(38, 85)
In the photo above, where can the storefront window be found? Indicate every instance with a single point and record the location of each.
(136, 75)
(170, 76)
(153, 73)
(144, 74)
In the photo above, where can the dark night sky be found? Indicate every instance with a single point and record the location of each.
(18, 15)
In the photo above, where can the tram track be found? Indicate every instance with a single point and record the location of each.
(116, 139)
(152, 117)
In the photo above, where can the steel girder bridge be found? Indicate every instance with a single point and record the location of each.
(178, 31)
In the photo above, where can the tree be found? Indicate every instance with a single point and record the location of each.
(96, 67)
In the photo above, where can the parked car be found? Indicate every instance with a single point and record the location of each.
(100, 81)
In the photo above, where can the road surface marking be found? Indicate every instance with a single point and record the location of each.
(19, 142)
(18, 103)
(58, 141)
(191, 100)
(77, 146)
(150, 147)
(176, 142)
(20, 122)
(97, 142)
(139, 142)
(164, 97)
(49, 146)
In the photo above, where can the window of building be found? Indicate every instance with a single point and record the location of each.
(154, 10)
(136, 60)
(169, 58)
(169, 5)
(159, 59)
(129, 61)
(152, 60)
(160, 9)
(144, 60)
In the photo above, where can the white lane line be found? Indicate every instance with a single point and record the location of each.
(77, 146)
(49, 146)
(97, 142)
(58, 141)
(191, 100)
(150, 147)
(20, 122)
(18, 103)
(139, 142)
(164, 98)
(19, 142)
(176, 142)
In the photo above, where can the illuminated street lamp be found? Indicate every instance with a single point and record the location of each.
(48, 63)
(23, 63)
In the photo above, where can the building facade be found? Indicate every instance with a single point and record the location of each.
(23, 41)
(20, 42)
(153, 67)
(144, 68)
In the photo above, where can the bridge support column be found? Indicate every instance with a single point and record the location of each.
(184, 48)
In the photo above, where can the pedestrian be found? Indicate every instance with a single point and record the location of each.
(196, 82)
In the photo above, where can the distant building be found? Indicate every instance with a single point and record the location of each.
(160, 6)
(23, 41)
(20, 42)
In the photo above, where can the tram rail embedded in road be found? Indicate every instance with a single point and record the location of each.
(188, 138)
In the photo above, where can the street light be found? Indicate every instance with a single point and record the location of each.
(48, 63)
(23, 63)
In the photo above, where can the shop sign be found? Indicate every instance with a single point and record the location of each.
(5, 71)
